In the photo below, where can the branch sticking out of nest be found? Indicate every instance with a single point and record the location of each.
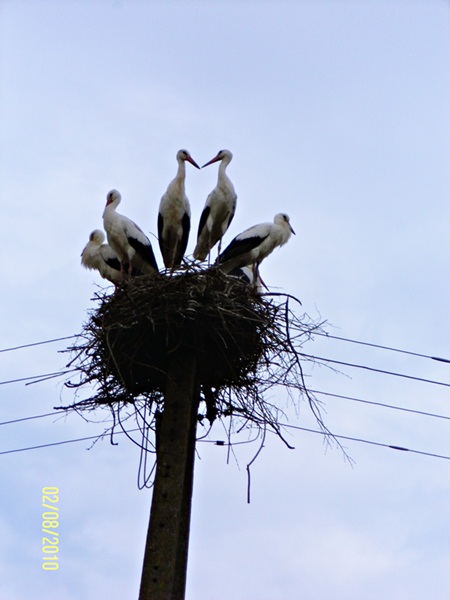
(244, 344)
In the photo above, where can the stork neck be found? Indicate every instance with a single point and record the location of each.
(223, 165)
(181, 173)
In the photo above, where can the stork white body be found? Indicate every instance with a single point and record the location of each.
(254, 244)
(219, 209)
(101, 257)
(127, 240)
(174, 216)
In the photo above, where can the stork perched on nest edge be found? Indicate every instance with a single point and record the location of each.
(254, 244)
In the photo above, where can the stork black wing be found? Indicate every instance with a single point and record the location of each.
(145, 251)
(242, 246)
(203, 219)
(233, 210)
(113, 262)
(186, 226)
(160, 229)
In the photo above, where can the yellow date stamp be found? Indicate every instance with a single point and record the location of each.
(50, 524)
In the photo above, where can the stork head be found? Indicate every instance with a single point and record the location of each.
(283, 220)
(184, 155)
(113, 197)
(97, 236)
(224, 155)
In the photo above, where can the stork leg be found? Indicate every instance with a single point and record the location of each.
(262, 282)
(255, 273)
(257, 276)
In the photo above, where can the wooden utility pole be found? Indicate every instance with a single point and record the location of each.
(166, 551)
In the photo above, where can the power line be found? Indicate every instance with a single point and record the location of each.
(320, 392)
(69, 337)
(225, 443)
(83, 439)
(37, 378)
(383, 371)
(91, 437)
(329, 360)
(364, 441)
(52, 414)
(381, 404)
(318, 333)
(372, 345)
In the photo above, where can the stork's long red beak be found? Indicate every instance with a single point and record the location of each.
(192, 161)
(213, 160)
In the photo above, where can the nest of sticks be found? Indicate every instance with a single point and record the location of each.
(244, 344)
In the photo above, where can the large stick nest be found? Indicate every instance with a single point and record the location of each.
(138, 329)
(244, 344)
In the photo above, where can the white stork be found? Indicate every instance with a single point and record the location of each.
(101, 257)
(174, 217)
(246, 274)
(219, 209)
(255, 243)
(127, 240)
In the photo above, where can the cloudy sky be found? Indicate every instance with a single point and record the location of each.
(337, 114)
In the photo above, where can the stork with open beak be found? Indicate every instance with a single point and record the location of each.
(174, 216)
(219, 209)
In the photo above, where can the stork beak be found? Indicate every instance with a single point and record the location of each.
(192, 161)
(290, 227)
(213, 160)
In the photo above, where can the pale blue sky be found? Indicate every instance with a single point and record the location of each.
(337, 113)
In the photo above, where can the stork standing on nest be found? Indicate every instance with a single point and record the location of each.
(174, 217)
(127, 240)
(101, 257)
(254, 244)
(219, 209)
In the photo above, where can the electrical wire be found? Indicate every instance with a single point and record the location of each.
(37, 378)
(364, 441)
(372, 345)
(224, 443)
(52, 414)
(83, 439)
(318, 333)
(69, 337)
(383, 371)
(320, 392)
(381, 404)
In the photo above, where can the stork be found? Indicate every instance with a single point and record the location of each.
(101, 257)
(254, 244)
(127, 240)
(174, 217)
(247, 275)
(219, 209)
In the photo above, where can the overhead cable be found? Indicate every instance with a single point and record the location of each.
(356, 366)
(344, 339)
(364, 441)
(69, 337)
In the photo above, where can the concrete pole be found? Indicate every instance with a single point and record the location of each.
(166, 552)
